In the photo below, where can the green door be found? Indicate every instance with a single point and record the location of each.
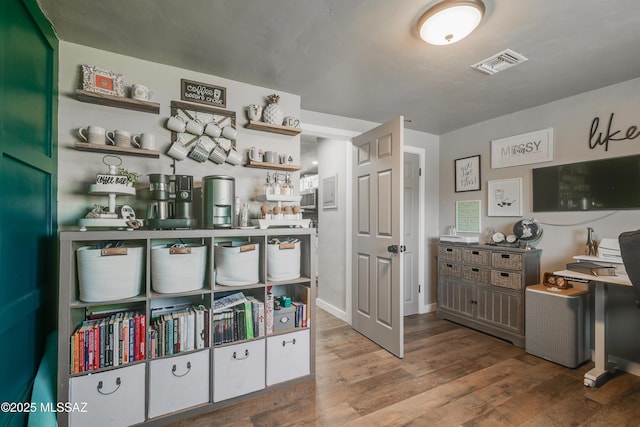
(28, 176)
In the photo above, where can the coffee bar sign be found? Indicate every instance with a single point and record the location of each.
(203, 93)
(532, 147)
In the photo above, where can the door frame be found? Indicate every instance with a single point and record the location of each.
(341, 135)
(422, 247)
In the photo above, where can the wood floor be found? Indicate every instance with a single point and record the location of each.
(450, 376)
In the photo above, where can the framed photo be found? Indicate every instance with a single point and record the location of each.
(468, 216)
(504, 197)
(329, 192)
(203, 93)
(467, 173)
(532, 147)
(97, 80)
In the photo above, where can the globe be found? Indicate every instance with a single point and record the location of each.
(528, 231)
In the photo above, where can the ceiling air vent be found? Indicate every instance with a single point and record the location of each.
(501, 61)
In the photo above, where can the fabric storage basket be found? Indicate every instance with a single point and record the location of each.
(283, 261)
(178, 268)
(237, 263)
(109, 274)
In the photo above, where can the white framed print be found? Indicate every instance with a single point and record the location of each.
(532, 147)
(504, 197)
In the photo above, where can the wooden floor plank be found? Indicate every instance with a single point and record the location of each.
(450, 376)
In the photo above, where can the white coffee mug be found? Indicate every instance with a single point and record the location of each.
(141, 92)
(255, 154)
(271, 157)
(234, 158)
(286, 159)
(146, 141)
(229, 132)
(176, 124)
(213, 130)
(291, 121)
(217, 155)
(120, 138)
(194, 127)
(93, 135)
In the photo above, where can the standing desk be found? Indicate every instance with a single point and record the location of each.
(596, 375)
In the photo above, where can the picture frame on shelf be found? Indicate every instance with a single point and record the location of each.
(504, 197)
(467, 174)
(98, 80)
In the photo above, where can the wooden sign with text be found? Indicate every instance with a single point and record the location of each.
(203, 93)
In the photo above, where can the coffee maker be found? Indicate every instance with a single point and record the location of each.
(218, 196)
(171, 204)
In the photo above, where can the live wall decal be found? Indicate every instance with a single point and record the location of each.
(597, 138)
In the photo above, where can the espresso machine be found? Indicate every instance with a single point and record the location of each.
(218, 194)
(171, 202)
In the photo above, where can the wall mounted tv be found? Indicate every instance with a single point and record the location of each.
(606, 184)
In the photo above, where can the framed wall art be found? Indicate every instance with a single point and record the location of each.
(532, 147)
(97, 80)
(504, 197)
(203, 93)
(468, 216)
(467, 174)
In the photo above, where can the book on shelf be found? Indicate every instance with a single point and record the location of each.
(228, 301)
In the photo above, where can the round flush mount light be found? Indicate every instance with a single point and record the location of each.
(450, 21)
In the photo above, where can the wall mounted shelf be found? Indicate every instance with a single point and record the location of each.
(266, 127)
(113, 149)
(117, 101)
(273, 166)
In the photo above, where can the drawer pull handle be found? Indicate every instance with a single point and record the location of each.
(284, 343)
(475, 252)
(475, 270)
(504, 256)
(118, 382)
(504, 274)
(246, 355)
(173, 371)
(449, 249)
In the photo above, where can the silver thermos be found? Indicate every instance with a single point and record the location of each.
(218, 195)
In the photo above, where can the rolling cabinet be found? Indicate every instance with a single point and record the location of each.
(153, 389)
(483, 287)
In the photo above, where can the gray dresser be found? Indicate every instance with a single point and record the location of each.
(483, 287)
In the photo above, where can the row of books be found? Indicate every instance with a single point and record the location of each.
(175, 329)
(114, 340)
(242, 321)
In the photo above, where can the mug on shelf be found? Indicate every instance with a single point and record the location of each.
(146, 141)
(254, 112)
(93, 135)
(120, 138)
(291, 121)
(256, 154)
(271, 157)
(141, 92)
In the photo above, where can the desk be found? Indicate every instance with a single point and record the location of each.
(596, 375)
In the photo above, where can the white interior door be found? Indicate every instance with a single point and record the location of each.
(377, 303)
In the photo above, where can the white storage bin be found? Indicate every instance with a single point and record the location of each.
(178, 269)
(113, 398)
(109, 274)
(288, 356)
(238, 369)
(283, 261)
(178, 382)
(237, 264)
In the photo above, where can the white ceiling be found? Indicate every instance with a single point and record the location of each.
(362, 58)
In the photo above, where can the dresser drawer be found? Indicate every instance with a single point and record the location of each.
(506, 260)
(476, 256)
(178, 382)
(450, 269)
(476, 274)
(450, 253)
(113, 398)
(506, 279)
(287, 356)
(238, 369)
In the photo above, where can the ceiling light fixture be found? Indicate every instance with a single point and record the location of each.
(450, 21)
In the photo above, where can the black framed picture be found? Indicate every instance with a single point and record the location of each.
(467, 174)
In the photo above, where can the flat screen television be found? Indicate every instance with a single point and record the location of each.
(606, 184)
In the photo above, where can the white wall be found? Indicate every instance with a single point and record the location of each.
(564, 232)
(77, 169)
